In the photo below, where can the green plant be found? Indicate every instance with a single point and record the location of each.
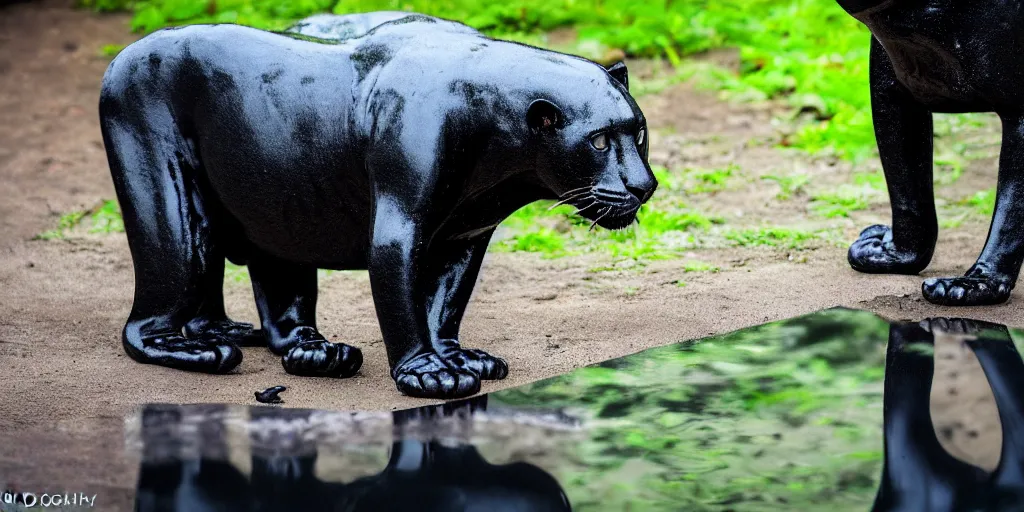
(983, 202)
(67, 222)
(111, 50)
(771, 237)
(789, 185)
(107, 218)
(699, 266)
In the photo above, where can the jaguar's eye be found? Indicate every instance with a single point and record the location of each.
(599, 141)
(641, 137)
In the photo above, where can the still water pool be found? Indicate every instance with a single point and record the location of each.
(839, 410)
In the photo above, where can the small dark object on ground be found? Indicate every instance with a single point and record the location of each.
(269, 395)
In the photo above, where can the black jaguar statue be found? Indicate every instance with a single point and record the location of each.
(943, 56)
(391, 142)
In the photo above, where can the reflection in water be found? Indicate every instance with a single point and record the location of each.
(423, 473)
(813, 413)
(919, 474)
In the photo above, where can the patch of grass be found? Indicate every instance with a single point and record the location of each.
(107, 218)
(789, 185)
(699, 266)
(840, 203)
(777, 237)
(982, 202)
(235, 273)
(948, 168)
(661, 221)
(542, 240)
(66, 223)
(111, 50)
(872, 180)
(709, 180)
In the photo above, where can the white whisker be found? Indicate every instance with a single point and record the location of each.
(573, 191)
(607, 210)
(566, 200)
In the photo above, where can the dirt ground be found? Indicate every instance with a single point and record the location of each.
(67, 385)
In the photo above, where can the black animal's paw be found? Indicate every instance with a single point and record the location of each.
(429, 376)
(875, 253)
(966, 291)
(194, 355)
(240, 333)
(321, 358)
(963, 326)
(481, 363)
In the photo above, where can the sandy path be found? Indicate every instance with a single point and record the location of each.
(68, 384)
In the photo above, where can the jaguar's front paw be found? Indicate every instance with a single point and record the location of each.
(488, 367)
(966, 291)
(194, 355)
(429, 376)
(322, 358)
(874, 252)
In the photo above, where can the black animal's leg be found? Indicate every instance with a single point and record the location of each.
(1004, 370)
(917, 474)
(396, 262)
(153, 170)
(992, 277)
(211, 321)
(903, 128)
(454, 268)
(286, 299)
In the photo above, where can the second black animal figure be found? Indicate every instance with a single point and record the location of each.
(943, 56)
(398, 151)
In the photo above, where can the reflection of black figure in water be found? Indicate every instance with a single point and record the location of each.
(420, 476)
(919, 475)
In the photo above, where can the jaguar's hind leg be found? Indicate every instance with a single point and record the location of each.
(286, 299)
(153, 170)
(211, 321)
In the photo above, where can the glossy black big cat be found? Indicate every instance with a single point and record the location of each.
(395, 147)
(945, 56)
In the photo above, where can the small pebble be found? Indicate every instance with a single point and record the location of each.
(269, 395)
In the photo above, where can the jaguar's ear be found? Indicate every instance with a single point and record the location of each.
(543, 116)
(618, 72)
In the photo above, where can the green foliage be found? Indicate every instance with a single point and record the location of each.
(839, 203)
(807, 52)
(771, 237)
(111, 50)
(67, 222)
(789, 185)
(707, 180)
(561, 232)
(983, 202)
(106, 5)
(699, 266)
(107, 218)
(542, 240)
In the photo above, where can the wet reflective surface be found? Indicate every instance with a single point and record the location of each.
(840, 409)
